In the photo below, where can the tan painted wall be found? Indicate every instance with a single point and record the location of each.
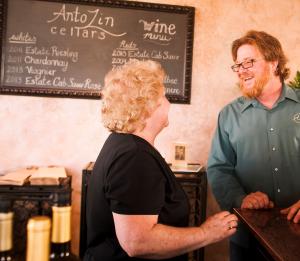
(68, 132)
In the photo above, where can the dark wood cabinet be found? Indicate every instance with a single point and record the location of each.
(27, 201)
(193, 179)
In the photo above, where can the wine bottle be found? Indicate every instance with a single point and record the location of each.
(38, 239)
(6, 224)
(6, 230)
(61, 234)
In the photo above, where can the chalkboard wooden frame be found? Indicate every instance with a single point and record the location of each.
(187, 41)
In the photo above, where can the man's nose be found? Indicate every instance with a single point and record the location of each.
(242, 70)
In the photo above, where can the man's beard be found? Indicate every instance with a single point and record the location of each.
(257, 88)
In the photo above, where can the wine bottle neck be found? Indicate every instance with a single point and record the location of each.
(38, 239)
(61, 224)
(6, 229)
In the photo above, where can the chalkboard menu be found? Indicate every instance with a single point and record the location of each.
(65, 48)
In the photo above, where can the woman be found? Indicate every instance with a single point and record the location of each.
(135, 207)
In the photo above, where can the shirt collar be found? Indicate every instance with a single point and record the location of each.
(287, 92)
(247, 103)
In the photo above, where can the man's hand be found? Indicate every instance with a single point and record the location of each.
(257, 200)
(293, 212)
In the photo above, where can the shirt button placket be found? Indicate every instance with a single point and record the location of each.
(276, 171)
(273, 150)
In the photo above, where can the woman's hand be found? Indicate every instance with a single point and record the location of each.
(142, 235)
(219, 226)
(292, 212)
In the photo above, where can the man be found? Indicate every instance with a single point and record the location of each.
(255, 156)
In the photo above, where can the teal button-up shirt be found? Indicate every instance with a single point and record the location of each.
(257, 149)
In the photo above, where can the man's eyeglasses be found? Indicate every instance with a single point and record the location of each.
(245, 65)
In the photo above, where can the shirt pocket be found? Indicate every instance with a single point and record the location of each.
(293, 141)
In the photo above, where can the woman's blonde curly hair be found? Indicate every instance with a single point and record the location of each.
(130, 95)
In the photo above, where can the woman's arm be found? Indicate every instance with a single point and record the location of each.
(142, 236)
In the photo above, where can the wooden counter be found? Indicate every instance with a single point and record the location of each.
(279, 237)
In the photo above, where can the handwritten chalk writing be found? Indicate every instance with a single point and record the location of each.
(15, 49)
(138, 54)
(14, 59)
(172, 91)
(169, 80)
(67, 46)
(86, 84)
(73, 83)
(168, 56)
(160, 37)
(114, 66)
(55, 51)
(38, 80)
(126, 49)
(46, 61)
(157, 31)
(77, 17)
(118, 60)
(60, 82)
(10, 79)
(91, 24)
(33, 70)
(78, 32)
(127, 46)
(36, 50)
(22, 38)
(158, 27)
(156, 55)
(14, 69)
(165, 55)
(119, 53)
